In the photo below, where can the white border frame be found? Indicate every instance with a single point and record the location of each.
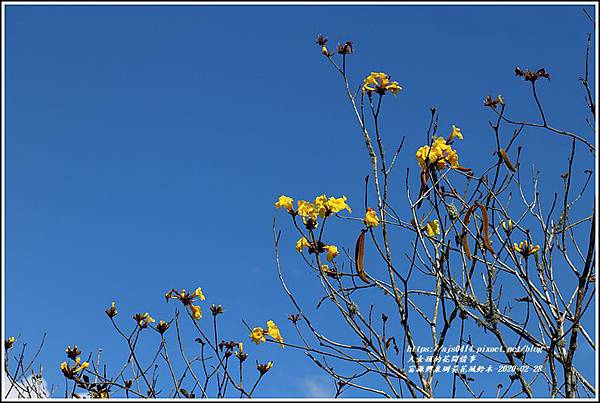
(313, 3)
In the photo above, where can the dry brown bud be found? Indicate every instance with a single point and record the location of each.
(162, 326)
(345, 48)
(321, 40)
(294, 318)
(216, 309)
(530, 75)
(72, 353)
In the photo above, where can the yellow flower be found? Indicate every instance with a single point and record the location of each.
(198, 293)
(452, 159)
(82, 366)
(302, 243)
(500, 99)
(332, 251)
(257, 335)
(440, 144)
(196, 312)
(273, 331)
(433, 228)
(422, 156)
(525, 248)
(380, 83)
(336, 205)
(187, 299)
(371, 219)
(455, 133)
(285, 202)
(144, 319)
(393, 87)
(321, 206)
(306, 209)
(439, 154)
(69, 371)
(370, 82)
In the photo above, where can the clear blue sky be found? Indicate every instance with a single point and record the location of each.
(145, 146)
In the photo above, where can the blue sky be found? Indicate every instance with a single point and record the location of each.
(145, 146)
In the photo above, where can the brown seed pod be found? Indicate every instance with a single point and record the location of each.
(486, 224)
(465, 241)
(424, 179)
(465, 244)
(359, 254)
(506, 160)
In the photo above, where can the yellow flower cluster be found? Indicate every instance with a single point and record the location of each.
(307, 209)
(258, 333)
(432, 228)
(285, 202)
(371, 219)
(78, 366)
(440, 153)
(332, 250)
(8, 343)
(188, 299)
(143, 320)
(321, 207)
(380, 83)
(525, 248)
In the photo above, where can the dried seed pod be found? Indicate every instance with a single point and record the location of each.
(506, 160)
(359, 254)
(486, 224)
(424, 179)
(465, 244)
(465, 241)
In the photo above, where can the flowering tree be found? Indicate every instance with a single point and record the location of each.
(490, 280)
